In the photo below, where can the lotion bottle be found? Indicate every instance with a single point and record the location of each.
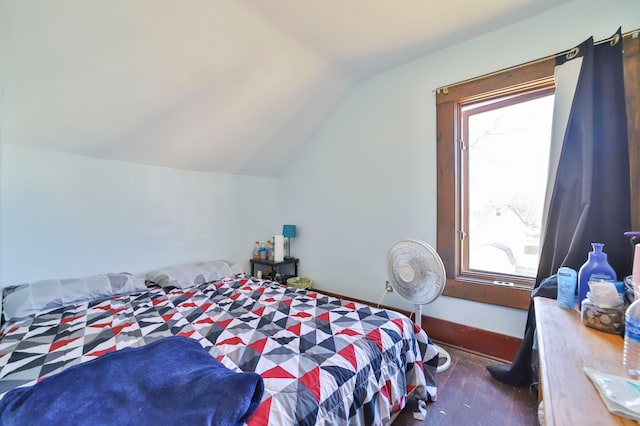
(596, 267)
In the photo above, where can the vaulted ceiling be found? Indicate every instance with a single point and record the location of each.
(211, 85)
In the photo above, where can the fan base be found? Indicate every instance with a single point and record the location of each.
(443, 353)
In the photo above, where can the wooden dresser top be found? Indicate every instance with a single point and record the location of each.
(565, 346)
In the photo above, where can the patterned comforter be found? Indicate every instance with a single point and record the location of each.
(323, 360)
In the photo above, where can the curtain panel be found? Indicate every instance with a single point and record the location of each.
(589, 197)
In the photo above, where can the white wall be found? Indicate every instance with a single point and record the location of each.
(67, 215)
(368, 177)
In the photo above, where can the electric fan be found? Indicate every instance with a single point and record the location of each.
(417, 273)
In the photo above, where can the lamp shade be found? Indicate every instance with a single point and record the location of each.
(289, 231)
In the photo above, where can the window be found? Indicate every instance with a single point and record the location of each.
(459, 109)
(493, 143)
(503, 164)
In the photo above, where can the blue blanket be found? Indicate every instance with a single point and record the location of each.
(171, 381)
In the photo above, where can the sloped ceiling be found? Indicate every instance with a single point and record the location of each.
(209, 85)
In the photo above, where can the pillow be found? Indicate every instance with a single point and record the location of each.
(235, 268)
(45, 295)
(193, 274)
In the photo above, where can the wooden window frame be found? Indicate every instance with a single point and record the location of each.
(517, 79)
(448, 106)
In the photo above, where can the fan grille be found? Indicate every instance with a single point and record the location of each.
(416, 271)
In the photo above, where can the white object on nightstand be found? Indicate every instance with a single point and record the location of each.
(278, 248)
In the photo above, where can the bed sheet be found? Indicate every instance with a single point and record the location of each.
(323, 360)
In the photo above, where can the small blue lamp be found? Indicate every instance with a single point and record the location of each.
(289, 231)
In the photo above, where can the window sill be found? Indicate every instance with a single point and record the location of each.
(509, 296)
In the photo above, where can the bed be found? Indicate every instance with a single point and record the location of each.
(322, 360)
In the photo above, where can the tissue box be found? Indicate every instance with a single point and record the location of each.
(610, 320)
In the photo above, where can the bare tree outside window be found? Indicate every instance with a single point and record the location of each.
(506, 159)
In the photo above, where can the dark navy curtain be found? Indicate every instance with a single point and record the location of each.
(590, 199)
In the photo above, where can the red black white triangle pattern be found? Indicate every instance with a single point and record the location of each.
(323, 360)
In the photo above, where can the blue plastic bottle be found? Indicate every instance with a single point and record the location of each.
(596, 267)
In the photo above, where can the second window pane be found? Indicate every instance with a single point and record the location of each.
(508, 156)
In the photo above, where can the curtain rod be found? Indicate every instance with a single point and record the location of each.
(569, 52)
